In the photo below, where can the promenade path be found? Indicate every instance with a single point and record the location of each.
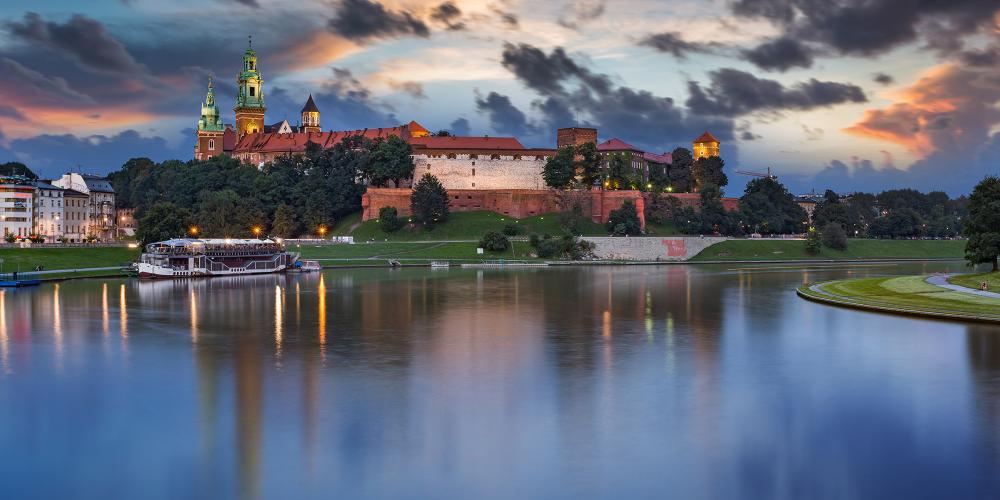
(941, 280)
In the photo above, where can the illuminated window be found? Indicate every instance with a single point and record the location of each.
(211, 144)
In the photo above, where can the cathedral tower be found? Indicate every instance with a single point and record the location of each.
(310, 116)
(210, 128)
(250, 96)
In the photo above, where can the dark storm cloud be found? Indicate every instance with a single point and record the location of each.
(449, 15)
(363, 20)
(781, 54)
(27, 85)
(459, 127)
(672, 42)
(548, 73)
(505, 118)
(411, 88)
(747, 135)
(575, 95)
(988, 56)
(81, 38)
(883, 78)
(11, 112)
(734, 93)
(346, 104)
(869, 28)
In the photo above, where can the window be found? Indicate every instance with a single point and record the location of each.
(451, 156)
(473, 157)
(473, 172)
(517, 157)
(494, 157)
(211, 144)
(252, 90)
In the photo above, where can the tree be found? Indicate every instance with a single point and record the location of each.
(834, 236)
(388, 219)
(392, 161)
(661, 208)
(679, 173)
(284, 224)
(429, 202)
(768, 208)
(982, 226)
(709, 171)
(16, 168)
(813, 241)
(560, 169)
(494, 241)
(162, 221)
(713, 215)
(587, 164)
(624, 221)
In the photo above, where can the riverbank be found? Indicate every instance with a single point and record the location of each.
(907, 295)
(857, 249)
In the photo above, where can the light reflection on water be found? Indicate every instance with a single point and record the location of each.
(628, 382)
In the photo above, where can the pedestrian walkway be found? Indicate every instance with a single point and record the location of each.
(941, 280)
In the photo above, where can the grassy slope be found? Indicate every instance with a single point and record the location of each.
(911, 293)
(465, 226)
(856, 249)
(65, 258)
(973, 280)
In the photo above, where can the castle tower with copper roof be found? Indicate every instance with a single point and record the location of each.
(210, 128)
(250, 96)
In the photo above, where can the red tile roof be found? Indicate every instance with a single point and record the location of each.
(453, 142)
(665, 158)
(706, 137)
(616, 145)
(296, 142)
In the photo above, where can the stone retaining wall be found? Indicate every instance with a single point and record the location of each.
(648, 248)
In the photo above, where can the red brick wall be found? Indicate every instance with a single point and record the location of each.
(517, 203)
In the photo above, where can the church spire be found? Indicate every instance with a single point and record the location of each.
(310, 116)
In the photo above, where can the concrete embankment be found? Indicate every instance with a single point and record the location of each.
(650, 249)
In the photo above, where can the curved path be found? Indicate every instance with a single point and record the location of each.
(941, 280)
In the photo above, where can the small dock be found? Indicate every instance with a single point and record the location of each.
(19, 279)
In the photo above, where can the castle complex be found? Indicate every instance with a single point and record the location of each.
(482, 168)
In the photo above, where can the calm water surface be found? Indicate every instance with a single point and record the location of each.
(612, 382)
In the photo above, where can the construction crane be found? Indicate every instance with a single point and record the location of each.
(768, 175)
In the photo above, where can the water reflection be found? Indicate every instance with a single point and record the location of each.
(711, 382)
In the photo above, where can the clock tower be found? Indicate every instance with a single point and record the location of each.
(250, 96)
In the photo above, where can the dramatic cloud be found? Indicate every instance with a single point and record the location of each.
(547, 73)
(781, 54)
(580, 12)
(989, 56)
(449, 15)
(346, 104)
(23, 84)
(81, 38)
(505, 118)
(248, 3)
(883, 78)
(573, 94)
(10, 112)
(414, 89)
(672, 42)
(363, 20)
(736, 93)
(869, 28)
(459, 127)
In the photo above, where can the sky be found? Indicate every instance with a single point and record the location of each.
(850, 95)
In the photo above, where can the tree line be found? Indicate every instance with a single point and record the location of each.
(288, 197)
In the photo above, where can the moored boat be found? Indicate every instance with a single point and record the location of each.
(187, 257)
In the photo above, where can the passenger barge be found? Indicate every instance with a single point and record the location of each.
(186, 257)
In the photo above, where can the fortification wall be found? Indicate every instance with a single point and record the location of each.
(517, 203)
(483, 171)
(672, 248)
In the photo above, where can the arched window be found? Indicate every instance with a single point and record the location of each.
(211, 144)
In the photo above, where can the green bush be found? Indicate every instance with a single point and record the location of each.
(567, 246)
(511, 229)
(388, 219)
(624, 221)
(494, 242)
(10, 238)
(834, 236)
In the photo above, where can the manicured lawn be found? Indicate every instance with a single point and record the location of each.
(856, 249)
(65, 258)
(465, 250)
(461, 226)
(910, 293)
(973, 280)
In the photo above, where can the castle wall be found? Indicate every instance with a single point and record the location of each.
(517, 203)
(651, 249)
(483, 171)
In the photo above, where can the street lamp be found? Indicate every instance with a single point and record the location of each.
(256, 230)
(193, 230)
(322, 231)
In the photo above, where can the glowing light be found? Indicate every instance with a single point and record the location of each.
(3, 332)
(257, 230)
(278, 320)
(193, 230)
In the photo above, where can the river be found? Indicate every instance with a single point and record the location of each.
(682, 381)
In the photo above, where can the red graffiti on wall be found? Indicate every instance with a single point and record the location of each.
(675, 248)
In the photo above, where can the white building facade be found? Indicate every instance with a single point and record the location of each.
(16, 200)
(48, 211)
(100, 223)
